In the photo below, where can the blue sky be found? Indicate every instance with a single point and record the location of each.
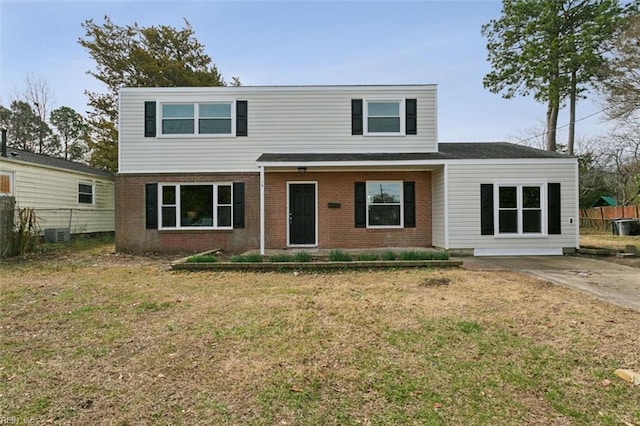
(294, 42)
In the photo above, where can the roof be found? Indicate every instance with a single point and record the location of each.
(446, 151)
(45, 160)
(605, 200)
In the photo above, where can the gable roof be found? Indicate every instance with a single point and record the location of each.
(59, 163)
(446, 151)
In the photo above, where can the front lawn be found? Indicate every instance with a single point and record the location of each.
(98, 338)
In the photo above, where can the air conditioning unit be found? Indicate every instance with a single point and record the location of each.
(56, 235)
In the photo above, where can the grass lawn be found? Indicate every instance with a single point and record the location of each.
(608, 241)
(90, 337)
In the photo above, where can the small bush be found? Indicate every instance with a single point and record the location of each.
(367, 257)
(423, 255)
(202, 258)
(281, 258)
(339, 256)
(302, 256)
(247, 258)
(388, 255)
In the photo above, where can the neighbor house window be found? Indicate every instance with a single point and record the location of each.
(6, 184)
(520, 209)
(215, 118)
(85, 193)
(196, 206)
(384, 204)
(384, 117)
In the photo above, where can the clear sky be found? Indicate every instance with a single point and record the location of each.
(294, 43)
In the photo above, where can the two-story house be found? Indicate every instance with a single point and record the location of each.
(279, 167)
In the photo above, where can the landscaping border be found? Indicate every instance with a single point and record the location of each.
(321, 265)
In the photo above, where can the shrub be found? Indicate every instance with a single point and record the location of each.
(247, 258)
(302, 256)
(367, 257)
(281, 258)
(202, 258)
(388, 255)
(423, 255)
(339, 256)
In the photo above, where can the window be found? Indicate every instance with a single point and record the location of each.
(85, 193)
(385, 118)
(215, 118)
(520, 209)
(384, 204)
(6, 184)
(196, 206)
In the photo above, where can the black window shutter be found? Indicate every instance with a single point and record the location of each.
(241, 118)
(360, 204)
(553, 208)
(411, 127)
(486, 209)
(409, 205)
(356, 116)
(151, 203)
(150, 119)
(238, 205)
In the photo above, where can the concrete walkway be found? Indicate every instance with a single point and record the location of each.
(608, 281)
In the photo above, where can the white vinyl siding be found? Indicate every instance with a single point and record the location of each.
(280, 119)
(53, 192)
(437, 207)
(464, 203)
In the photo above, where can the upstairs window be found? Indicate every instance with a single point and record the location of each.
(85, 193)
(212, 118)
(384, 118)
(178, 119)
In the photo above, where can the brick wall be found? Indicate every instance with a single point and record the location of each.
(132, 235)
(336, 225)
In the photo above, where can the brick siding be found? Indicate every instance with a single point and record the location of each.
(132, 235)
(336, 226)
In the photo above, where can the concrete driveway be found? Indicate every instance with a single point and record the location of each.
(608, 281)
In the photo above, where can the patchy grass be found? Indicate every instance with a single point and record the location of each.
(608, 241)
(122, 340)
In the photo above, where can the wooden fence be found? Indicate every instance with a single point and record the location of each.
(601, 217)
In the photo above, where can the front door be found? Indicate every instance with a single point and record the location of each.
(302, 214)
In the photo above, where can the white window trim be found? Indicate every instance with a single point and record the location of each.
(93, 192)
(177, 206)
(12, 188)
(366, 187)
(402, 112)
(543, 207)
(196, 117)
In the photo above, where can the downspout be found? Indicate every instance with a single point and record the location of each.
(3, 151)
(262, 210)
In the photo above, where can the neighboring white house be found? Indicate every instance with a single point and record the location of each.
(64, 194)
(328, 167)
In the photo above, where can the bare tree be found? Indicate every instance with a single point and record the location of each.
(39, 95)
